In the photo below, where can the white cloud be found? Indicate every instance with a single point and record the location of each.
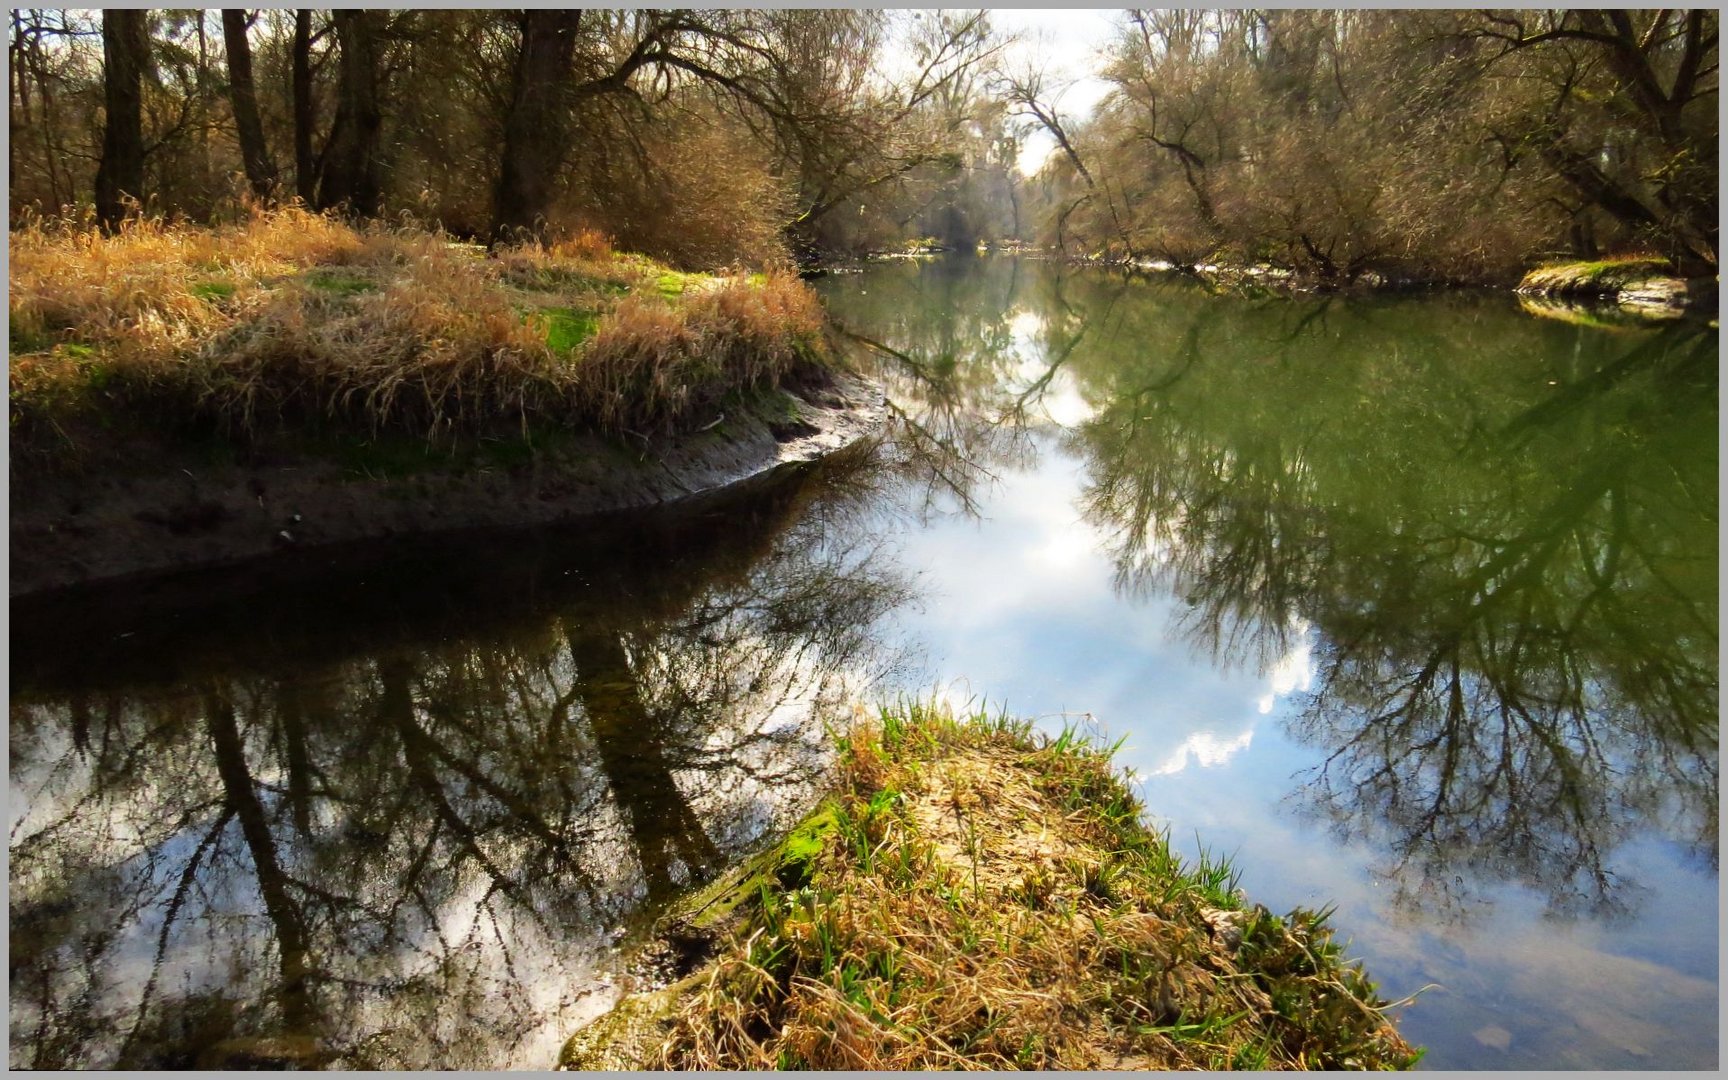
(1294, 670)
(1206, 749)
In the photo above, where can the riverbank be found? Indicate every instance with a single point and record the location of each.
(185, 396)
(1634, 287)
(976, 895)
(176, 509)
(1630, 290)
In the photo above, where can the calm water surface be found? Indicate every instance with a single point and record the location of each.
(1410, 605)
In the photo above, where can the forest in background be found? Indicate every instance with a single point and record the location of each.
(1459, 145)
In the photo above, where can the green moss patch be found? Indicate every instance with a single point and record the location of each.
(339, 283)
(566, 328)
(390, 457)
(214, 291)
(397, 456)
(672, 284)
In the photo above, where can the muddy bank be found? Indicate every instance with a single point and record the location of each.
(173, 510)
(1627, 293)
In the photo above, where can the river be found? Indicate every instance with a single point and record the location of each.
(1406, 604)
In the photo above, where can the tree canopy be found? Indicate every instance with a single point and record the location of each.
(1335, 144)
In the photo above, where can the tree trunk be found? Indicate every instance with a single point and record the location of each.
(125, 51)
(353, 173)
(58, 194)
(305, 170)
(534, 127)
(19, 91)
(287, 918)
(629, 751)
(243, 94)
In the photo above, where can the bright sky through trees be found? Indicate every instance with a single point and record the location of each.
(1066, 41)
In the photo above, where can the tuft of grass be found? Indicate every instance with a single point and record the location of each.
(649, 362)
(984, 896)
(292, 320)
(563, 280)
(583, 245)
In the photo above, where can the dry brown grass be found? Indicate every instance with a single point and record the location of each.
(650, 361)
(135, 291)
(989, 899)
(290, 319)
(590, 245)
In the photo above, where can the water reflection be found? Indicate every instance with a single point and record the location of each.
(1496, 536)
(395, 821)
(945, 344)
(1512, 578)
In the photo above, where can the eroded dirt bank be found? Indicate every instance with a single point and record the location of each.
(178, 512)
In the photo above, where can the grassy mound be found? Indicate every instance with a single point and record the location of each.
(293, 321)
(985, 897)
(1602, 277)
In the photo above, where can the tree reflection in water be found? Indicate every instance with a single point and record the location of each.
(1500, 533)
(393, 821)
(1512, 587)
(940, 337)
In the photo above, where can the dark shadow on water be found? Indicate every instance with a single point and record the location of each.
(390, 807)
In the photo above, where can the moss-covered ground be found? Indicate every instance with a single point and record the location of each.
(1597, 277)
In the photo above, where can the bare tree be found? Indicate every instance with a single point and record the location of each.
(1024, 89)
(1662, 76)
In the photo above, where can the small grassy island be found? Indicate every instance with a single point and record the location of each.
(975, 895)
(184, 395)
